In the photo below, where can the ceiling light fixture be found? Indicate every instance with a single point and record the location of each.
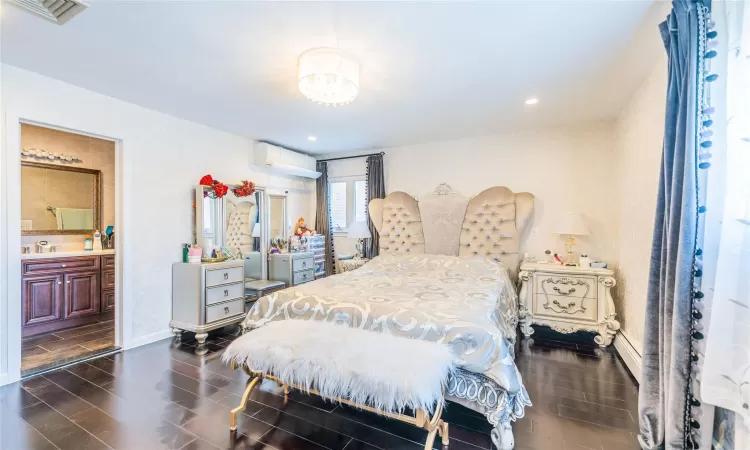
(328, 76)
(312, 138)
(532, 101)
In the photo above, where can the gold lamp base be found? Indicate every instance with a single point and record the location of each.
(570, 260)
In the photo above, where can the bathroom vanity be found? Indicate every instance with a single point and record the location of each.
(66, 289)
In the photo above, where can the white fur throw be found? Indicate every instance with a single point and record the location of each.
(389, 373)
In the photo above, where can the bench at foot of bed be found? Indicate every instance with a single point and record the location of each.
(434, 425)
(379, 373)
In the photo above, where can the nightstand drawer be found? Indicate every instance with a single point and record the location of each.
(224, 310)
(302, 264)
(224, 293)
(304, 276)
(216, 277)
(561, 307)
(565, 285)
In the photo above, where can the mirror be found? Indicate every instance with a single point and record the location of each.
(236, 223)
(59, 199)
(278, 220)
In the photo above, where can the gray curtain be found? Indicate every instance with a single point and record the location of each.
(666, 390)
(375, 189)
(323, 214)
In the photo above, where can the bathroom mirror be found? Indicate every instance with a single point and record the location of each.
(59, 199)
(236, 223)
(278, 219)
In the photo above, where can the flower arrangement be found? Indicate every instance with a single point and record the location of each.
(218, 189)
(246, 189)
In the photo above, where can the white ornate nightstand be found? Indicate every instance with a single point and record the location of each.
(567, 299)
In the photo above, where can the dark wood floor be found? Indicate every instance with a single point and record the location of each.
(56, 348)
(163, 396)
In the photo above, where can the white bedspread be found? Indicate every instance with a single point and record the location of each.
(467, 303)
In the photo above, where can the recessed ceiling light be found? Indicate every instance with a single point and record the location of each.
(532, 101)
(312, 138)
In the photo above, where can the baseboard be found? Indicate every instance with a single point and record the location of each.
(629, 354)
(149, 338)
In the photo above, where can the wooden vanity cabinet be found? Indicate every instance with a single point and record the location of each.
(61, 293)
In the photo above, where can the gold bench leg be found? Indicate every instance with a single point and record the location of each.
(443, 431)
(243, 403)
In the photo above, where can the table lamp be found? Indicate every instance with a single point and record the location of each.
(571, 224)
(360, 231)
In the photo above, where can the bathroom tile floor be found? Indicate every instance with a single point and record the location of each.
(47, 350)
(164, 396)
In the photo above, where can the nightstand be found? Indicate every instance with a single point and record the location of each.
(345, 265)
(567, 299)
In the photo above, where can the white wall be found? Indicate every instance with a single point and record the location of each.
(567, 169)
(159, 160)
(639, 133)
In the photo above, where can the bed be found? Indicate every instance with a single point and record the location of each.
(446, 273)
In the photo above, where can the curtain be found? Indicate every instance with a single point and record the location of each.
(726, 370)
(665, 397)
(323, 214)
(375, 189)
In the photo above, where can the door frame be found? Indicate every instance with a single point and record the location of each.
(10, 235)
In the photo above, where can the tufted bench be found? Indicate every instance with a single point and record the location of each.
(348, 365)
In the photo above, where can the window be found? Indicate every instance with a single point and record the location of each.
(348, 197)
(337, 196)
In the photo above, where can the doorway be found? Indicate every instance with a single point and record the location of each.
(68, 261)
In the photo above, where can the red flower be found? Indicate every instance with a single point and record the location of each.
(245, 189)
(207, 180)
(220, 190)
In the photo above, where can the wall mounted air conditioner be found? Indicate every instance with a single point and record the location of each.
(58, 11)
(284, 161)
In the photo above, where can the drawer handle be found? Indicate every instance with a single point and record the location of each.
(226, 292)
(59, 282)
(64, 265)
(304, 275)
(226, 275)
(226, 310)
(565, 308)
(559, 291)
(304, 263)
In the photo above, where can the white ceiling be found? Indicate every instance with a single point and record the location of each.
(430, 71)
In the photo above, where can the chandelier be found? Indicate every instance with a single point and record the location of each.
(328, 76)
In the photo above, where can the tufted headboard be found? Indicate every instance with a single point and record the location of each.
(398, 222)
(240, 220)
(489, 224)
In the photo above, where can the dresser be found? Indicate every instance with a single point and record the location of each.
(292, 268)
(207, 296)
(568, 299)
(64, 292)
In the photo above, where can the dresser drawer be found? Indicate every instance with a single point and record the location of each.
(216, 277)
(565, 307)
(302, 264)
(303, 276)
(223, 293)
(224, 310)
(60, 264)
(565, 285)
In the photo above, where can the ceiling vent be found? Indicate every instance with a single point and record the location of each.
(58, 11)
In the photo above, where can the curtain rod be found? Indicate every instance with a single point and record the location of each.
(350, 157)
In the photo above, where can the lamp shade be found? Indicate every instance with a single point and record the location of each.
(571, 223)
(358, 230)
(328, 76)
